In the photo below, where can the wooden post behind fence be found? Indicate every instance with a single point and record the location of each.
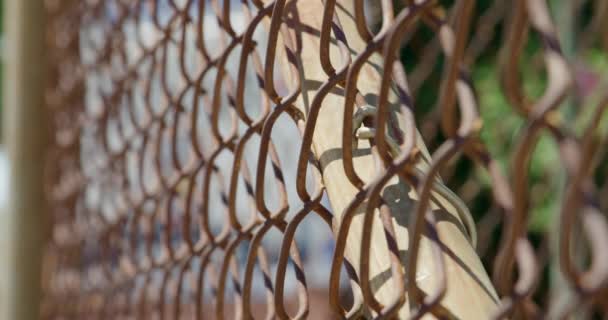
(470, 294)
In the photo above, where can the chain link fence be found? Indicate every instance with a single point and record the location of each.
(187, 177)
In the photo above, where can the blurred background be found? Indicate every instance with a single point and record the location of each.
(583, 33)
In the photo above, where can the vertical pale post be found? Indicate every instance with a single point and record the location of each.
(24, 134)
(470, 294)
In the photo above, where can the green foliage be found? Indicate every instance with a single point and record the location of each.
(502, 131)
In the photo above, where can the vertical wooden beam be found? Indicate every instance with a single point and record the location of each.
(470, 294)
(25, 133)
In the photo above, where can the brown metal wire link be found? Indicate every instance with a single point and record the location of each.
(167, 186)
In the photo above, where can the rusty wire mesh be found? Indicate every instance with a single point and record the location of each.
(165, 180)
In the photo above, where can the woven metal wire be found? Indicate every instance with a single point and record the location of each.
(177, 186)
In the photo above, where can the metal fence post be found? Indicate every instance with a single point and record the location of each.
(25, 134)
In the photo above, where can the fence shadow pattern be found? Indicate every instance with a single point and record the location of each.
(158, 211)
